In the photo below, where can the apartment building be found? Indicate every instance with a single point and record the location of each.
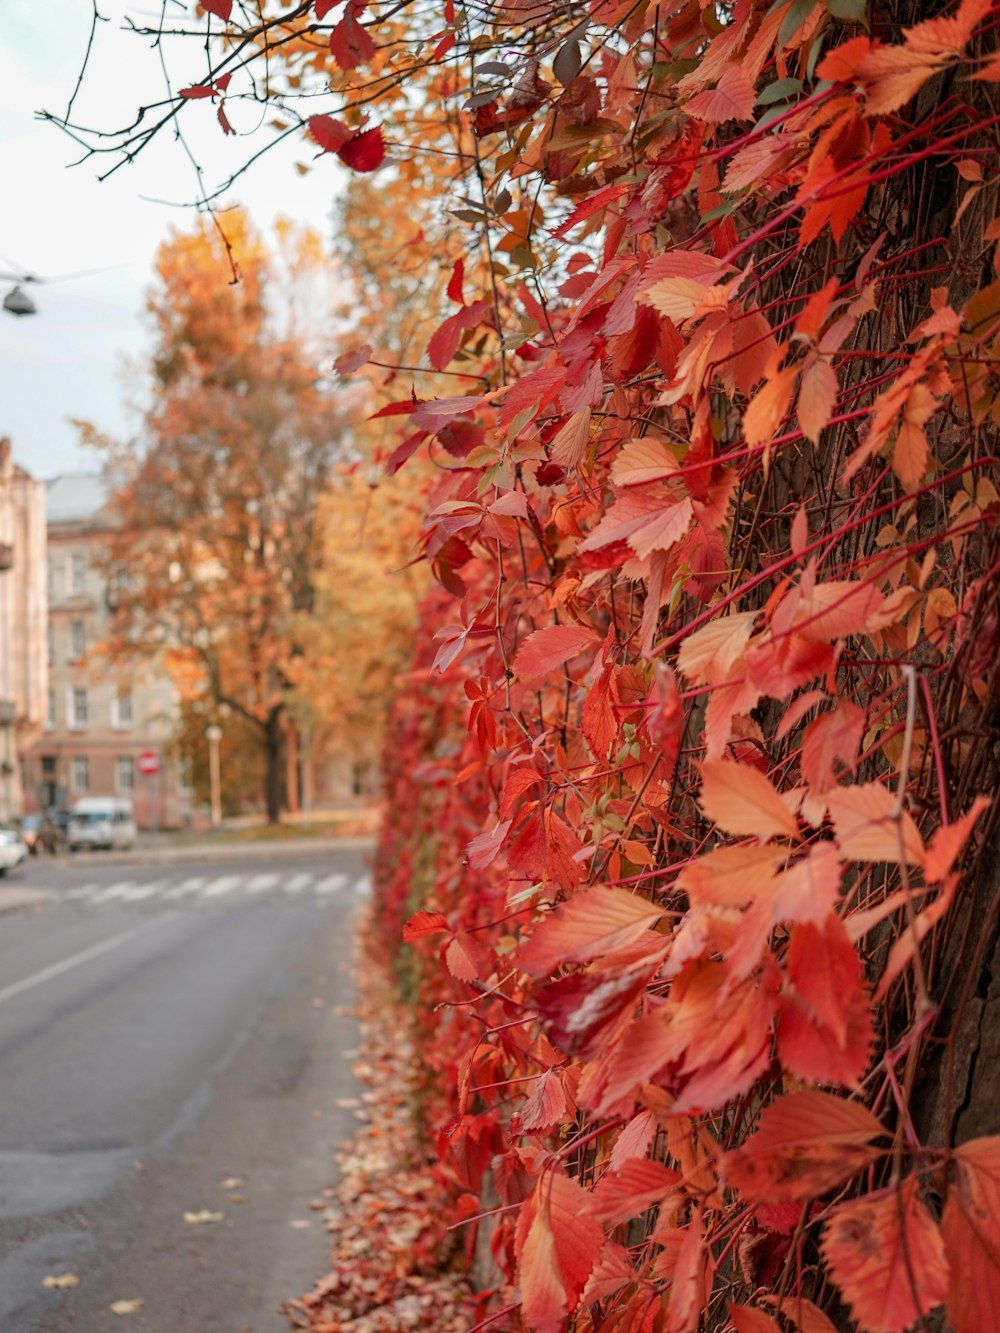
(23, 611)
(100, 716)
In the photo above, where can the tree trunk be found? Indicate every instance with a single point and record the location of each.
(273, 735)
(292, 767)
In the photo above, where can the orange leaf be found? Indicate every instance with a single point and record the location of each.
(910, 454)
(710, 654)
(949, 840)
(550, 648)
(732, 99)
(741, 800)
(910, 940)
(808, 890)
(465, 957)
(817, 397)
(570, 445)
(832, 736)
(643, 460)
(894, 74)
(768, 407)
(745, 1319)
(547, 1105)
(690, 1279)
(887, 1257)
(808, 1142)
(628, 1191)
(864, 820)
(732, 876)
(806, 1317)
(592, 922)
(971, 1229)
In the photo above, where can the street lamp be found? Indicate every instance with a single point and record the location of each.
(213, 735)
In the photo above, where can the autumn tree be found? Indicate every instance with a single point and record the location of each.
(218, 502)
(356, 643)
(693, 776)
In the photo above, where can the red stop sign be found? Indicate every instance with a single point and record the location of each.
(149, 763)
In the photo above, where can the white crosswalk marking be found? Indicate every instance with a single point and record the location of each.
(118, 890)
(261, 883)
(190, 885)
(206, 888)
(224, 884)
(329, 884)
(141, 891)
(82, 891)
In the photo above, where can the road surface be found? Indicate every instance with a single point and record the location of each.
(173, 1040)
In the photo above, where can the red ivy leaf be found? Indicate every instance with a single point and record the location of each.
(592, 922)
(364, 151)
(198, 90)
(455, 282)
(352, 360)
(330, 134)
(351, 44)
(970, 1236)
(887, 1257)
(808, 1142)
(557, 1245)
(549, 648)
(424, 923)
(220, 8)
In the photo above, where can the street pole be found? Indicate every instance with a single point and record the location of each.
(214, 735)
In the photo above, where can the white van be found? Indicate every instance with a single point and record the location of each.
(101, 821)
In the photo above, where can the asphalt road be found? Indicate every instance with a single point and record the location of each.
(173, 1040)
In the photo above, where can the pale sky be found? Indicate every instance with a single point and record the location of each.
(68, 360)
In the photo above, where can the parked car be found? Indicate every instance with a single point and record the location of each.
(12, 849)
(101, 821)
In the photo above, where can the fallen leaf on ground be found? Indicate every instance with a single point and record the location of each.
(59, 1281)
(127, 1307)
(199, 1219)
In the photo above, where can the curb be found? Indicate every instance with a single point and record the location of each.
(236, 851)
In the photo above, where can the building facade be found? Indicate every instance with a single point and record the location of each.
(101, 717)
(23, 613)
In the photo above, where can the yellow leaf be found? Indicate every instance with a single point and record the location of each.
(60, 1281)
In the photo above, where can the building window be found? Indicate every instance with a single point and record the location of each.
(77, 574)
(125, 773)
(121, 711)
(79, 707)
(50, 716)
(48, 765)
(77, 640)
(51, 647)
(80, 772)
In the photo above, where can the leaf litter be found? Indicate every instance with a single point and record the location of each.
(394, 1265)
